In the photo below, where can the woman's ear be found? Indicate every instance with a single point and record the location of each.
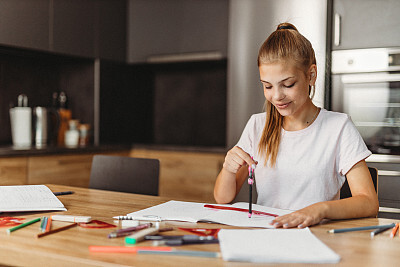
(313, 74)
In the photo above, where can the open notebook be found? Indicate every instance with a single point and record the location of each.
(28, 198)
(196, 212)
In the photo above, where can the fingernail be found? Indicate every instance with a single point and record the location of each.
(300, 226)
(253, 166)
(286, 225)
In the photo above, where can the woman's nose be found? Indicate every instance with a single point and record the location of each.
(278, 94)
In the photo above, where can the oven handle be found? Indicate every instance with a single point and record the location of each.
(388, 173)
(370, 78)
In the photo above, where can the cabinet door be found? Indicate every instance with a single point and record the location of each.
(13, 171)
(74, 27)
(111, 42)
(71, 170)
(25, 23)
(366, 24)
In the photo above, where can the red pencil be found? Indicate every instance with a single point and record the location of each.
(239, 209)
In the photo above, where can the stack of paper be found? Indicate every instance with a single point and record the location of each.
(274, 246)
(28, 198)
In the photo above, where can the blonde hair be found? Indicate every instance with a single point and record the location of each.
(284, 44)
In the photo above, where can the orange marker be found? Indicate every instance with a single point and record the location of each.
(393, 233)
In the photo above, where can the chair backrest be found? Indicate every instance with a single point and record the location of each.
(345, 190)
(125, 174)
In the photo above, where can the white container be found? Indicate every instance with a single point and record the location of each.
(21, 126)
(72, 134)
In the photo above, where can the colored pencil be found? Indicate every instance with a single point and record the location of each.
(334, 231)
(193, 253)
(125, 249)
(48, 224)
(22, 225)
(378, 231)
(393, 233)
(57, 230)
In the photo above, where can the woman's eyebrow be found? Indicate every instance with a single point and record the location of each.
(280, 81)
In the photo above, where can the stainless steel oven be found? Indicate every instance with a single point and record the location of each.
(366, 85)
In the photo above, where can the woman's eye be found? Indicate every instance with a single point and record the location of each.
(267, 87)
(290, 85)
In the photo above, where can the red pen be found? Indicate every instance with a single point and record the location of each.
(239, 209)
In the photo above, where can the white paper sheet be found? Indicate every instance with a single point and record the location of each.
(196, 212)
(274, 246)
(28, 198)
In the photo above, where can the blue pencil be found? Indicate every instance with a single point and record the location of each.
(334, 231)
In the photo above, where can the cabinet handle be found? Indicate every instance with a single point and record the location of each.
(388, 173)
(337, 29)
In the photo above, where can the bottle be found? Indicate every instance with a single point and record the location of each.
(65, 116)
(84, 137)
(72, 134)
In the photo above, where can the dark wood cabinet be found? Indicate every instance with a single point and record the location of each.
(25, 23)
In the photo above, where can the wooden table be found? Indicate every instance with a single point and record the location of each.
(70, 247)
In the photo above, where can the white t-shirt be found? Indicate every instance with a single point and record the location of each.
(311, 163)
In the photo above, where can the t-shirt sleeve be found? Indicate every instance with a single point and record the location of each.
(351, 147)
(246, 141)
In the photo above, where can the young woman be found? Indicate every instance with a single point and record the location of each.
(302, 153)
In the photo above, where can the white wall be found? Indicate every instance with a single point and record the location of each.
(250, 23)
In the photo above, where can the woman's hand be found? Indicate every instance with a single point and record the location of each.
(305, 217)
(236, 158)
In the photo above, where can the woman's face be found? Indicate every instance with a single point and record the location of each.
(286, 86)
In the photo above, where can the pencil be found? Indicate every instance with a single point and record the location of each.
(378, 231)
(334, 231)
(22, 225)
(57, 230)
(393, 233)
(193, 253)
(48, 224)
(125, 249)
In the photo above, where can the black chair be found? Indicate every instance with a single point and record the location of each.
(125, 174)
(345, 190)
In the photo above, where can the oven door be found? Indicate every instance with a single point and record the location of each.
(373, 102)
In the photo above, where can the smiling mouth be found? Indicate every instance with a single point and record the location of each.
(282, 106)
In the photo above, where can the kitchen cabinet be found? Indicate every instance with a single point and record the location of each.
(111, 43)
(84, 28)
(74, 27)
(25, 23)
(63, 169)
(185, 175)
(365, 24)
(13, 171)
(164, 27)
(90, 28)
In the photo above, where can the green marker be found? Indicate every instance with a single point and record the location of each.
(22, 225)
(139, 236)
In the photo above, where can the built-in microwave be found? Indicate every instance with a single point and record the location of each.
(366, 85)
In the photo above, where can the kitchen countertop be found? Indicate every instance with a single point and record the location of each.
(11, 151)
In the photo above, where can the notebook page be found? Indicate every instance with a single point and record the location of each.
(274, 246)
(173, 211)
(241, 219)
(28, 198)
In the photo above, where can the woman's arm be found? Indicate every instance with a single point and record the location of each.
(363, 203)
(232, 175)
